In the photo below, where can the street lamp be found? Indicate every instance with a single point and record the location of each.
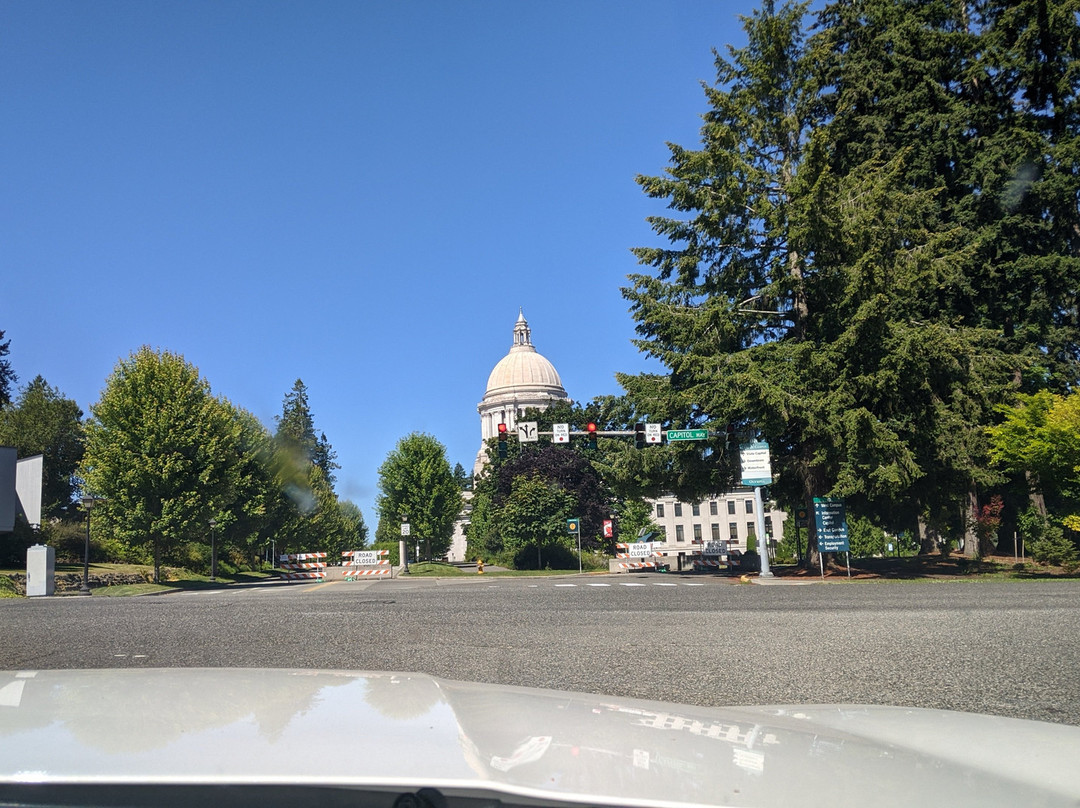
(213, 551)
(88, 502)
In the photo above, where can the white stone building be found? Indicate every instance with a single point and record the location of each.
(525, 378)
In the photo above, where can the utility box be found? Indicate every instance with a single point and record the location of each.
(40, 571)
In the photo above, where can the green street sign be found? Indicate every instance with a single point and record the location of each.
(687, 434)
(573, 526)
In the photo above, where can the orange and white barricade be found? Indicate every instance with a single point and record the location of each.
(636, 554)
(302, 566)
(376, 564)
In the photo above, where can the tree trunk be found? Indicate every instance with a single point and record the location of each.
(971, 537)
(157, 562)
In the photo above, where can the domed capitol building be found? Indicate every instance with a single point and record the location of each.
(525, 378)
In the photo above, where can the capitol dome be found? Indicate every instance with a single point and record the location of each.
(521, 379)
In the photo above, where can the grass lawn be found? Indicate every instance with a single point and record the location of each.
(174, 579)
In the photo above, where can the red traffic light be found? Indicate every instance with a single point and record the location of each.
(502, 429)
(590, 427)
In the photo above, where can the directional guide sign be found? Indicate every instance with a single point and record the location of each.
(756, 464)
(830, 519)
(687, 434)
(527, 432)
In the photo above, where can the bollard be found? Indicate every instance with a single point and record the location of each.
(479, 566)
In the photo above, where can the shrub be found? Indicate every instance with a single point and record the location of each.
(1046, 541)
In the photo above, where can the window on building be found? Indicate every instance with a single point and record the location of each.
(750, 531)
(713, 510)
(697, 532)
(659, 510)
(695, 509)
(679, 533)
(733, 530)
(715, 532)
(749, 506)
(731, 506)
(678, 509)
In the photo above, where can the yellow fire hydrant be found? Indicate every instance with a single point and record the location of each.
(479, 566)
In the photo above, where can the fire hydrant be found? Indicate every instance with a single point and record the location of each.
(479, 566)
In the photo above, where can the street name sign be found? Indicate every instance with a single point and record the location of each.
(560, 433)
(756, 463)
(830, 519)
(686, 434)
(652, 433)
(527, 432)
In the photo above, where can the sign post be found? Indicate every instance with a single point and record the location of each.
(830, 518)
(757, 471)
(573, 527)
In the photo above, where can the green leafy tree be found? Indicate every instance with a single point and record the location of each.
(356, 531)
(1039, 439)
(532, 522)
(160, 450)
(42, 421)
(416, 481)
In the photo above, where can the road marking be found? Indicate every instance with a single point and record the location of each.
(657, 583)
(633, 584)
(598, 584)
(566, 585)
(320, 586)
(693, 584)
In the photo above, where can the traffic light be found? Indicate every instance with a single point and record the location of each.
(732, 438)
(590, 435)
(502, 440)
(639, 436)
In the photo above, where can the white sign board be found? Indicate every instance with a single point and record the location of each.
(365, 558)
(406, 528)
(28, 476)
(652, 433)
(756, 464)
(560, 433)
(528, 432)
(715, 548)
(641, 549)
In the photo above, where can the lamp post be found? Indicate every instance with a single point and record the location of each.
(213, 551)
(88, 502)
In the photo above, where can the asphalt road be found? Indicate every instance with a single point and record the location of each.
(1006, 648)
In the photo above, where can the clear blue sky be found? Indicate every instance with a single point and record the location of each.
(358, 194)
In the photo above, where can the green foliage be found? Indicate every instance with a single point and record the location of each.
(416, 481)
(532, 522)
(42, 421)
(296, 436)
(1040, 435)
(873, 245)
(549, 479)
(160, 451)
(1045, 541)
(393, 548)
(7, 375)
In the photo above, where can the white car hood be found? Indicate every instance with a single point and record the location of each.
(407, 731)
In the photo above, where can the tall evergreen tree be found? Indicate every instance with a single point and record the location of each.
(7, 375)
(296, 433)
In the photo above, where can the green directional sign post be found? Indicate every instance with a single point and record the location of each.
(573, 527)
(687, 434)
